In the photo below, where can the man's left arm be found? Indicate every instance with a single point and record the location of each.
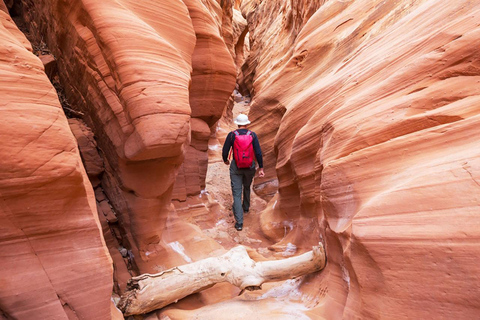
(258, 155)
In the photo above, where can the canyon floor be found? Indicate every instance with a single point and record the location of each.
(218, 184)
(278, 300)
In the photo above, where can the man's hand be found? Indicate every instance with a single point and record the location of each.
(227, 162)
(261, 174)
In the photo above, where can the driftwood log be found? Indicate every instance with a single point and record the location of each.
(148, 292)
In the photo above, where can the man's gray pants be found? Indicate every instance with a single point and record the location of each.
(241, 179)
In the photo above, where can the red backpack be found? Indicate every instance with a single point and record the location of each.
(243, 150)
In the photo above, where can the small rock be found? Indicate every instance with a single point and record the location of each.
(124, 252)
(50, 65)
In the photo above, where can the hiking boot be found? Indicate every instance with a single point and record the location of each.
(238, 226)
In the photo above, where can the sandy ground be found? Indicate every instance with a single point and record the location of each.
(218, 187)
(279, 300)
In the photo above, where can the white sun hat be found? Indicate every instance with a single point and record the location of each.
(242, 120)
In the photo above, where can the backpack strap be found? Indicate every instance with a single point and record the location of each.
(249, 132)
(236, 132)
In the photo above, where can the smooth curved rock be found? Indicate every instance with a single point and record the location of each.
(273, 28)
(131, 81)
(139, 83)
(213, 80)
(374, 115)
(53, 259)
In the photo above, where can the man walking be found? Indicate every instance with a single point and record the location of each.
(245, 146)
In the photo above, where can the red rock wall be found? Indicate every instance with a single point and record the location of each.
(53, 259)
(131, 80)
(273, 29)
(272, 23)
(213, 80)
(128, 67)
(373, 121)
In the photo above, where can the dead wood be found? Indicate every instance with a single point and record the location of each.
(148, 292)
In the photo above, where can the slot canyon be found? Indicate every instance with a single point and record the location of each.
(113, 115)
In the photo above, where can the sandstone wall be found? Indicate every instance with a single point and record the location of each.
(53, 259)
(273, 28)
(213, 80)
(272, 23)
(128, 67)
(373, 121)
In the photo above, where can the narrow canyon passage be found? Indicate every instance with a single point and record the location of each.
(277, 300)
(201, 225)
(112, 122)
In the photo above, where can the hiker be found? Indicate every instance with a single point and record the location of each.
(245, 146)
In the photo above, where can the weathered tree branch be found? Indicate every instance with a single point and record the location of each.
(148, 292)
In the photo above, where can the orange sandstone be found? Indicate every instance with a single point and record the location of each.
(372, 120)
(53, 259)
(149, 87)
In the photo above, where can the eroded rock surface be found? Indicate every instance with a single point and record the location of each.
(149, 87)
(273, 29)
(53, 260)
(372, 120)
(367, 112)
(213, 80)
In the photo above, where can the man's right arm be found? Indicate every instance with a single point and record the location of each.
(226, 148)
